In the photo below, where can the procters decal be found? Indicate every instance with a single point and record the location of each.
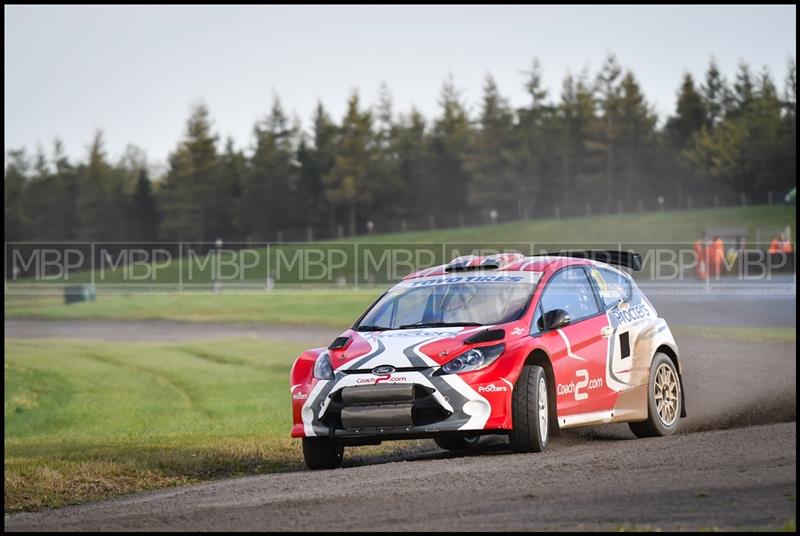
(625, 316)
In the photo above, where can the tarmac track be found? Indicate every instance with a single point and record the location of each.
(732, 466)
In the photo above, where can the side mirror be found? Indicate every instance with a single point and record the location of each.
(554, 319)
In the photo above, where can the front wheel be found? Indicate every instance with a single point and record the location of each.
(322, 453)
(664, 400)
(529, 411)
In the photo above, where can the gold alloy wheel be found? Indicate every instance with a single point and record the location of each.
(667, 391)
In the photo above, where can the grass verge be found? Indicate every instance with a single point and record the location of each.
(739, 333)
(90, 420)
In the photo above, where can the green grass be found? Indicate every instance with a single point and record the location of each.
(667, 226)
(740, 333)
(286, 307)
(86, 421)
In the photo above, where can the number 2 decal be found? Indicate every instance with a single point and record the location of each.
(583, 374)
(583, 382)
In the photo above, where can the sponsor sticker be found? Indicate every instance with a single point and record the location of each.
(631, 314)
(492, 388)
(496, 277)
(384, 378)
(580, 387)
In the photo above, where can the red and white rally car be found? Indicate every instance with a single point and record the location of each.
(501, 344)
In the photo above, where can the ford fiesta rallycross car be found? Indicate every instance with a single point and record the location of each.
(502, 344)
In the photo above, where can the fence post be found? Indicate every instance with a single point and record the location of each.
(743, 198)
(557, 212)
(589, 208)
(309, 234)
(769, 196)
(689, 202)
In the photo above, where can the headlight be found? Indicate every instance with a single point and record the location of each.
(322, 368)
(473, 359)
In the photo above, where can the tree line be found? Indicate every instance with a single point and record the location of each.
(597, 146)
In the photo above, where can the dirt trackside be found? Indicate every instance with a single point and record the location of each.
(726, 479)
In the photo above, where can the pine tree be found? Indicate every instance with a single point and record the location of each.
(690, 114)
(190, 191)
(386, 177)
(315, 156)
(269, 191)
(609, 91)
(411, 150)
(691, 117)
(496, 183)
(636, 136)
(715, 94)
(97, 216)
(143, 211)
(537, 159)
(347, 186)
(233, 170)
(577, 153)
(744, 90)
(16, 177)
(450, 143)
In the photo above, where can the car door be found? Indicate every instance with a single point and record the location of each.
(579, 349)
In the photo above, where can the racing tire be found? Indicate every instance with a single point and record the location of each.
(322, 453)
(664, 400)
(529, 408)
(457, 443)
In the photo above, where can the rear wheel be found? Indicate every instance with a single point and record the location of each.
(664, 400)
(529, 406)
(322, 453)
(457, 443)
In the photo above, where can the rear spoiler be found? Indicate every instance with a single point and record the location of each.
(629, 259)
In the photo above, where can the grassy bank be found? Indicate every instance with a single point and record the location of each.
(779, 334)
(286, 307)
(88, 421)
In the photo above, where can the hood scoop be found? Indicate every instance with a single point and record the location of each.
(340, 343)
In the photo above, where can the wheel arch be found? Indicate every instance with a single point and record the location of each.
(540, 358)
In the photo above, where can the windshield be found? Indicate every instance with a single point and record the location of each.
(453, 300)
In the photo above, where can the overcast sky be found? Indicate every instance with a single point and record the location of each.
(135, 71)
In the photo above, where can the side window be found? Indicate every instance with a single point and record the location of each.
(613, 286)
(570, 290)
